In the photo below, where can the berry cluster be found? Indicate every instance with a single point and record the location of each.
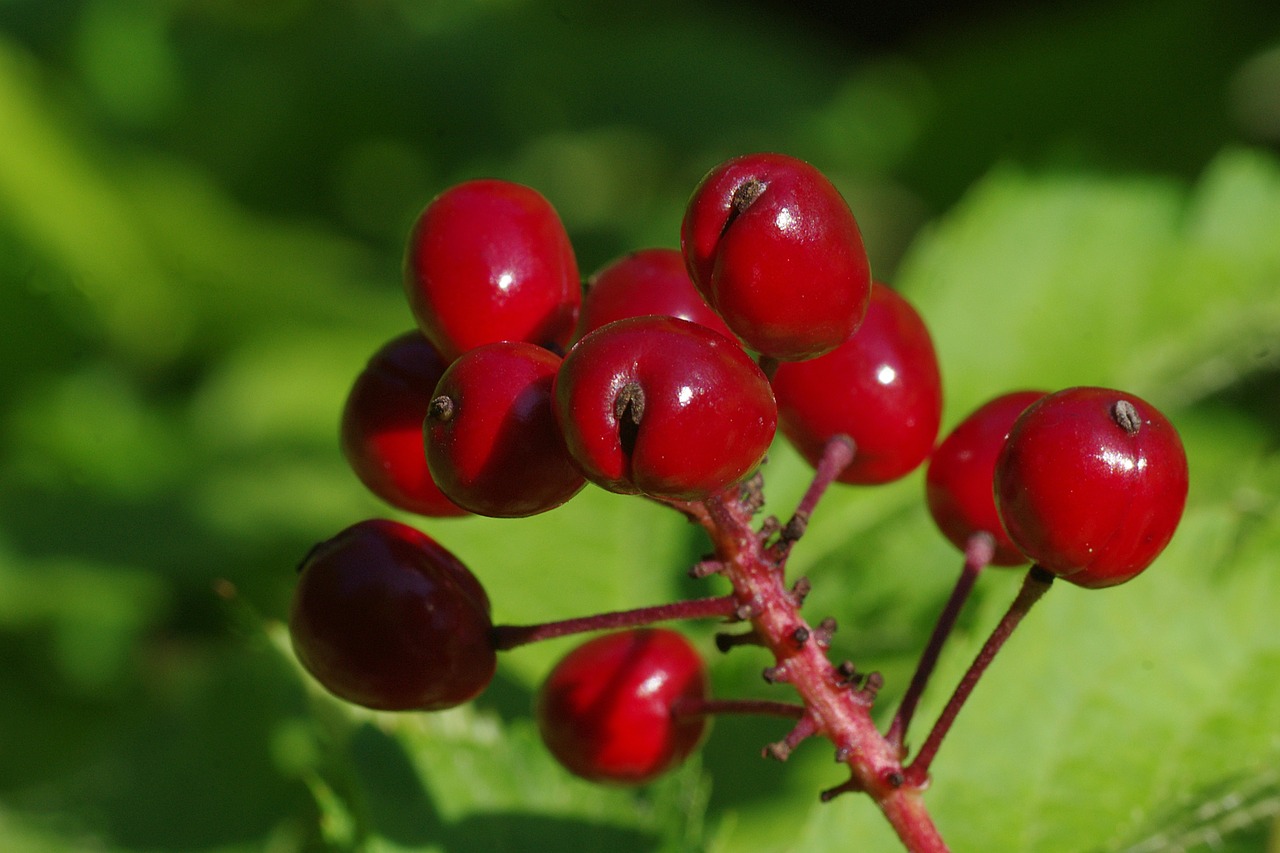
(668, 380)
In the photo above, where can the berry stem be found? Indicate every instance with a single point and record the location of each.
(757, 707)
(507, 637)
(836, 456)
(977, 555)
(1036, 583)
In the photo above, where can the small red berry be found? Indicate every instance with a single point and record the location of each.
(487, 261)
(385, 617)
(882, 388)
(959, 476)
(664, 407)
(775, 250)
(492, 440)
(606, 710)
(381, 433)
(650, 281)
(1091, 484)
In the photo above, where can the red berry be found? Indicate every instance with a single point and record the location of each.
(385, 617)
(492, 440)
(381, 432)
(650, 281)
(959, 477)
(1091, 484)
(606, 710)
(775, 250)
(881, 388)
(665, 407)
(489, 260)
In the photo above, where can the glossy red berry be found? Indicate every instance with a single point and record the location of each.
(487, 261)
(665, 407)
(775, 250)
(492, 440)
(1091, 484)
(606, 710)
(882, 388)
(385, 617)
(959, 477)
(381, 432)
(650, 281)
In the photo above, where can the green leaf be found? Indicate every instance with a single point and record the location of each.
(1055, 280)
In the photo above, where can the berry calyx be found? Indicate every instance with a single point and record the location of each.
(383, 616)
(492, 440)
(488, 261)
(664, 407)
(774, 249)
(961, 469)
(649, 281)
(882, 388)
(381, 431)
(1091, 484)
(607, 709)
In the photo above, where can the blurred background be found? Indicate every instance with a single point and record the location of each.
(202, 213)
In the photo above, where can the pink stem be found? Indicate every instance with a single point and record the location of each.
(980, 548)
(838, 710)
(1036, 583)
(758, 707)
(510, 636)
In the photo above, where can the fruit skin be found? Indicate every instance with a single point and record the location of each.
(707, 414)
(489, 260)
(648, 281)
(882, 388)
(381, 428)
(605, 711)
(785, 268)
(1088, 499)
(959, 477)
(383, 616)
(499, 451)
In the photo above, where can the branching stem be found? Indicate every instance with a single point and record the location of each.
(977, 554)
(837, 709)
(1036, 584)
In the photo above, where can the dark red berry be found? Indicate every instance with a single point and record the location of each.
(959, 477)
(1091, 484)
(881, 388)
(385, 617)
(381, 433)
(606, 710)
(775, 250)
(492, 440)
(665, 407)
(487, 261)
(650, 281)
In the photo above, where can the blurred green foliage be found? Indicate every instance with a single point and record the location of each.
(202, 206)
